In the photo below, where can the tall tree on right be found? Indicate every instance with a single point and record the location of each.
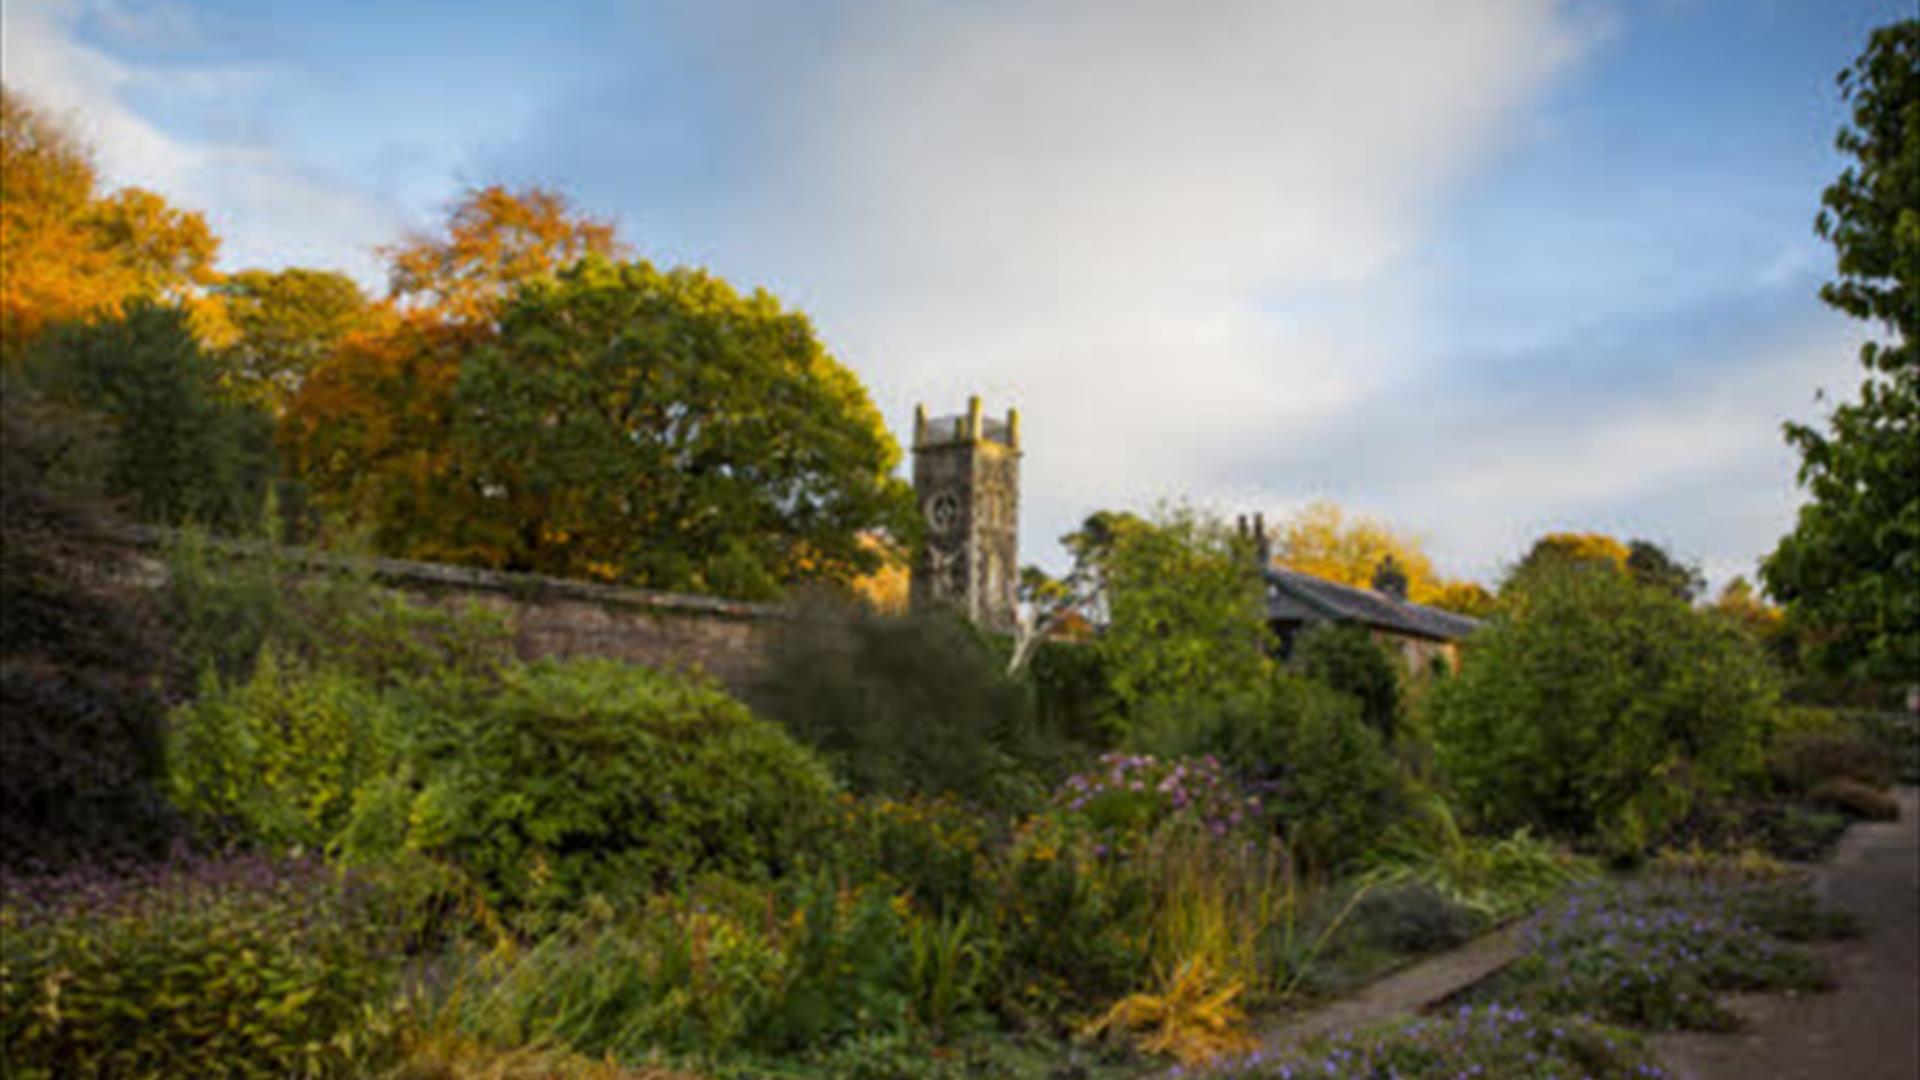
(1849, 572)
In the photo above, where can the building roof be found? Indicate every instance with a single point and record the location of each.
(1296, 597)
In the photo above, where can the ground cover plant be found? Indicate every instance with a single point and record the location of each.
(1470, 1040)
(1655, 953)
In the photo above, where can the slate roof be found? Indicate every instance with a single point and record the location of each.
(1296, 597)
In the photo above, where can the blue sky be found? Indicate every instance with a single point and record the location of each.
(1481, 269)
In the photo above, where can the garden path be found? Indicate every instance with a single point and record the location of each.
(1869, 1027)
(1409, 990)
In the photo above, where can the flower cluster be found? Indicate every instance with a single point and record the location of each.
(1653, 954)
(1128, 795)
(1489, 1040)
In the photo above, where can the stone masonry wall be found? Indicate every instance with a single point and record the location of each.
(553, 617)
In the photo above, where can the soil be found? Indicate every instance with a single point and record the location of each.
(1868, 1028)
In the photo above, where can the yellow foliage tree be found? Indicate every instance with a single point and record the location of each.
(1324, 541)
(70, 252)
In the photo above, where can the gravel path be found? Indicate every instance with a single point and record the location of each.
(1868, 1028)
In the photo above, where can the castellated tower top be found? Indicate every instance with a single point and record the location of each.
(970, 427)
(966, 477)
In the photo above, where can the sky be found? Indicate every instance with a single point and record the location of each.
(1482, 270)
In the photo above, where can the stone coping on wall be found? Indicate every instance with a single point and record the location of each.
(407, 573)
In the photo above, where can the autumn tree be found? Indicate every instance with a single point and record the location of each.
(1324, 541)
(370, 426)
(1560, 548)
(70, 251)
(496, 239)
(285, 324)
(1849, 572)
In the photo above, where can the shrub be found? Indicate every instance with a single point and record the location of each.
(281, 758)
(1811, 746)
(80, 705)
(565, 778)
(1345, 657)
(1490, 1040)
(899, 706)
(1412, 917)
(230, 968)
(1072, 699)
(933, 850)
(1320, 773)
(1596, 707)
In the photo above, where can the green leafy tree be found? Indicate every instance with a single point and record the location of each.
(1849, 572)
(1595, 705)
(284, 323)
(178, 450)
(658, 427)
(1186, 628)
(1650, 564)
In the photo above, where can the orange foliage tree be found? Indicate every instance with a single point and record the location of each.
(495, 240)
(67, 251)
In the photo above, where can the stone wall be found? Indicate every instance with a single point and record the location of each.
(554, 617)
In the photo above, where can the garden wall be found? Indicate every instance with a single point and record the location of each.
(553, 617)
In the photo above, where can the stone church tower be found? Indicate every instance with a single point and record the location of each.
(966, 476)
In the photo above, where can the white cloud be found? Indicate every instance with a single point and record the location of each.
(1702, 469)
(267, 208)
(1091, 209)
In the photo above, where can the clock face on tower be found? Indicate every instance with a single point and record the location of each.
(943, 511)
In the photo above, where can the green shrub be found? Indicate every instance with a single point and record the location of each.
(1320, 772)
(898, 706)
(282, 758)
(934, 850)
(1072, 699)
(566, 778)
(231, 968)
(1345, 657)
(1813, 746)
(1411, 917)
(1329, 786)
(1595, 707)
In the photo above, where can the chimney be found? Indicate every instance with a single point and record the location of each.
(1389, 579)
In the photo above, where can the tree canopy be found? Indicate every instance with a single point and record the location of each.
(286, 323)
(74, 252)
(496, 238)
(1849, 572)
(1323, 540)
(660, 428)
